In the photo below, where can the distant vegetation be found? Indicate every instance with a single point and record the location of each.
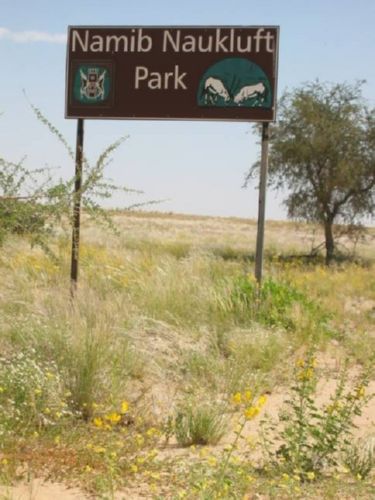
(323, 154)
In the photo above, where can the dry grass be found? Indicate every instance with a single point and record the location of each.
(164, 316)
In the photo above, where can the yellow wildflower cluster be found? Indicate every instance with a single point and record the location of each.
(254, 410)
(306, 369)
(106, 422)
(246, 399)
(239, 398)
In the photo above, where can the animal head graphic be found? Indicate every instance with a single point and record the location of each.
(234, 82)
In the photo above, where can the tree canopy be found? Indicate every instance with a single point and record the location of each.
(323, 152)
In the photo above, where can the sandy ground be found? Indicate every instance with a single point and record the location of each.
(39, 490)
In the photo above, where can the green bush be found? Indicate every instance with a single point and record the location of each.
(274, 304)
(21, 217)
(311, 439)
(199, 424)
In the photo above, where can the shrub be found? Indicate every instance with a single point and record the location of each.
(21, 217)
(32, 394)
(199, 424)
(312, 438)
(273, 304)
(360, 457)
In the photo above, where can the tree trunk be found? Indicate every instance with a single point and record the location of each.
(330, 244)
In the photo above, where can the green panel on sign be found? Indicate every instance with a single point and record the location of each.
(92, 84)
(235, 82)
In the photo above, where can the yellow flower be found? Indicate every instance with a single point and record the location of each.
(251, 412)
(361, 392)
(306, 375)
(151, 432)
(4, 461)
(262, 400)
(310, 476)
(212, 461)
(87, 468)
(38, 391)
(114, 418)
(134, 468)
(237, 398)
(98, 449)
(124, 407)
(140, 439)
(57, 440)
(247, 396)
(47, 411)
(2, 390)
(98, 422)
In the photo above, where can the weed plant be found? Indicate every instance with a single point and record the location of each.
(311, 439)
(199, 424)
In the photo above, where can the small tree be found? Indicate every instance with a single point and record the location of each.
(33, 203)
(323, 151)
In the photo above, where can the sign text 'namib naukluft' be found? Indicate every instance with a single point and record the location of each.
(210, 73)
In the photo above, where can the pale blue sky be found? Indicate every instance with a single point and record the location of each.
(199, 166)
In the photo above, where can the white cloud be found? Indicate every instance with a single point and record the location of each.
(31, 36)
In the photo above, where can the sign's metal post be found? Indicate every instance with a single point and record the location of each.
(77, 208)
(262, 204)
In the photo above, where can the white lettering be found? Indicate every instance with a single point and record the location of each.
(269, 40)
(219, 41)
(178, 79)
(96, 44)
(208, 47)
(247, 48)
(141, 73)
(144, 42)
(231, 43)
(189, 44)
(154, 83)
(116, 43)
(132, 42)
(158, 81)
(258, 37)
(84, 44)
(174, 43)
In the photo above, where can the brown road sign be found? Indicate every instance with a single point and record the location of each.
(194, 73)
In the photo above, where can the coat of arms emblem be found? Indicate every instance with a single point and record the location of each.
(91, 84)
